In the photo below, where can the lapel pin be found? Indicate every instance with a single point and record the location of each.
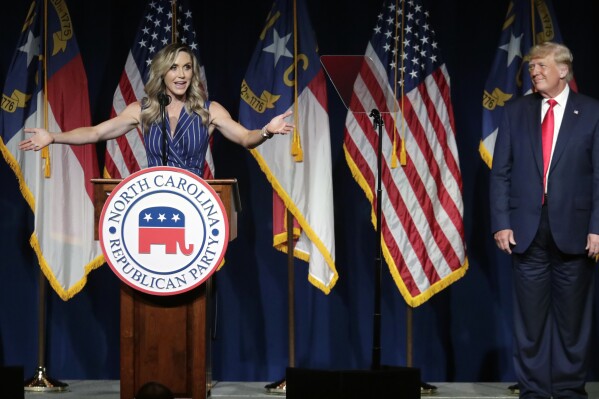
(576, 111)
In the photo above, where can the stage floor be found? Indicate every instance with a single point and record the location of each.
(101, 389)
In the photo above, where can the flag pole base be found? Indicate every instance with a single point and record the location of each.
(277, 388)
(40, 382)
(427, 389)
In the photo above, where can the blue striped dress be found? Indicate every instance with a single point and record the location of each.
(186, 148)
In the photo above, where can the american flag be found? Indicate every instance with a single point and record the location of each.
(163, 22)
(46, 86)
(422, 210)
(509, 77)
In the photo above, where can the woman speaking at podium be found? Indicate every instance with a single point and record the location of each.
(176, 104)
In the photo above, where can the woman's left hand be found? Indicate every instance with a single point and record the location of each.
(278, 125)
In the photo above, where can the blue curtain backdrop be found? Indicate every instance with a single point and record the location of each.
(461, 334)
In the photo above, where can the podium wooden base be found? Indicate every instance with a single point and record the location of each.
(165, 339)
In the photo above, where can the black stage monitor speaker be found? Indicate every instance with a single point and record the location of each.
(12, 382)
(392, 382)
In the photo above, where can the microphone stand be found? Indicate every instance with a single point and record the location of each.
(378, 259)
(425, 388)
(164, 100)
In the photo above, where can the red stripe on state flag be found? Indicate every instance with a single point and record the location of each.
(318, 87)
(74, 115)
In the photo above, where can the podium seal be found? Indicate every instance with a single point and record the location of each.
(163, 231)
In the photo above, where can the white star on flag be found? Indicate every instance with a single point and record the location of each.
(279, 46)
(31, 48)
(512, 48)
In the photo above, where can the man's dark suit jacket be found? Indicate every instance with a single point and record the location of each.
(516, 190)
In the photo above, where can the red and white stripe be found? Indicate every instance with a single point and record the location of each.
(422, 209)
(302, 185)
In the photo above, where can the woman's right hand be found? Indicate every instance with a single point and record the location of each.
(40, 139)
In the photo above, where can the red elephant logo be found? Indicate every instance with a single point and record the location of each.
(163, 225)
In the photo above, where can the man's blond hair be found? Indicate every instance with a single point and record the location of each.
(561, 55)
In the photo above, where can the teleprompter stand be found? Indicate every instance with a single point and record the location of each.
(346, 74)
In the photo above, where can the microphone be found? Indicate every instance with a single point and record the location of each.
(164, 99)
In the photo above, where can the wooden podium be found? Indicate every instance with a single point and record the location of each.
(167, 338)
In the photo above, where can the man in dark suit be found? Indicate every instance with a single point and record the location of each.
(544, 196)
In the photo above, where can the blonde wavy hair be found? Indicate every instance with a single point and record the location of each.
(195, 98)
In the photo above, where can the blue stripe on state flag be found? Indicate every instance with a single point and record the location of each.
(20, 91)
(509, 76)
(23, 87)
(60, 33)
(274, 56)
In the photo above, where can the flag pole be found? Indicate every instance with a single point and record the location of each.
(297, 154)
(280, 386)
(409, 311)
(425, 388)
(40, 381)
(532, 22)
(378, 261)
(290, 289)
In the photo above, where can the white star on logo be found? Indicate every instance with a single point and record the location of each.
(279, 47)
(175, 217)
(148, 217)
(161, 217)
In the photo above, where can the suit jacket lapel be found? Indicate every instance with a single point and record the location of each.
(534, 126)
(567, 127)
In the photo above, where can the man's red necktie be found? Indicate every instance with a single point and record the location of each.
(547, 139)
